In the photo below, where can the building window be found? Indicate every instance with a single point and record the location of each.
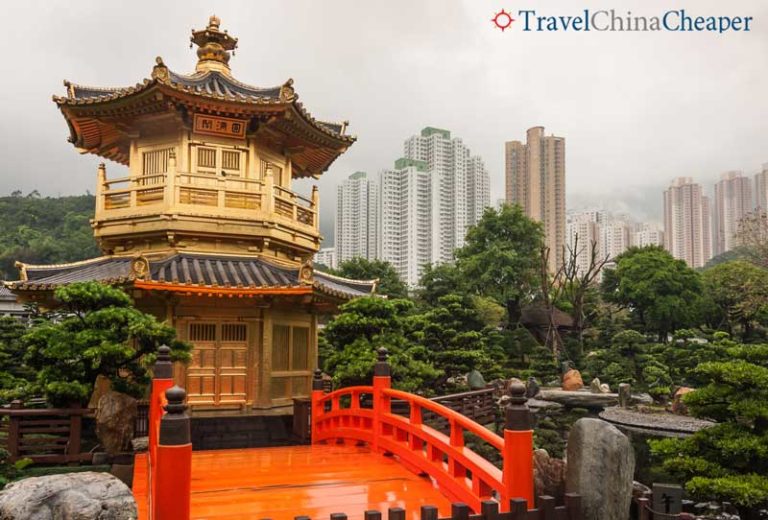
(218, 161)
(291, 364)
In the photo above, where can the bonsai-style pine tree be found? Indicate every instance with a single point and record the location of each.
(728, 461)
(96, 331)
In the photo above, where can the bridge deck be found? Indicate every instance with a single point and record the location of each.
(281, 483)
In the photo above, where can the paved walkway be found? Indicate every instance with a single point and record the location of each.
(285, 482)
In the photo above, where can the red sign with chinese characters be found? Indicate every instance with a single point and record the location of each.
(222, 126)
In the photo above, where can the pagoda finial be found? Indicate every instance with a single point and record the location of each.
(214, 47)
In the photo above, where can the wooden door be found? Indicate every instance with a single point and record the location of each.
(201, 371)
(232, 366)
(217, 373)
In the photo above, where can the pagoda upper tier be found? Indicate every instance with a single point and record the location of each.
(211, 158)
(105, 121)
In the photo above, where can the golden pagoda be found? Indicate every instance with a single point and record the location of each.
(206, 230)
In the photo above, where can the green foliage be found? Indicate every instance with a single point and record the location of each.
(457, 338)
(44, 230)
(425, 348)
(728, 461)
(736, 295)
(630, 359)
(10, 471)
(389, 284)
(440, 280)
(501, 255)
(662, 293)
(96, 332)
(364, 325)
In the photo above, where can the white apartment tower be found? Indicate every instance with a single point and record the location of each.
(356, 218)
(733, 200)
(460, 187)
(687, 222)
(761, 189)
(615, 238)
(405, 219)
(582, 237)
(416, 213)
(648, 235)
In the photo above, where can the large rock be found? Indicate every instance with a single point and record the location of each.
(625, 394)
(594, 386)
(475, 380)
(601, 466)
(572, 380)
(115, 421)
(69, 496)
(584, 399)
(678, 406)
(548, 475)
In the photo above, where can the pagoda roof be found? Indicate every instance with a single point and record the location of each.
(102, 119)
(194, 273)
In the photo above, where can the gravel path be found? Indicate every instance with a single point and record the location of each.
(664, 421)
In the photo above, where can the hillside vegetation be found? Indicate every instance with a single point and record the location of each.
(43, 230)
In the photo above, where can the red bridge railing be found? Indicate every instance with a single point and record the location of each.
(461, 473)
(169, 448)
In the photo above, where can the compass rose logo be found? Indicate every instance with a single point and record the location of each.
(503, 20)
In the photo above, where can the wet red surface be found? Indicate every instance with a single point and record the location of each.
(282, 483)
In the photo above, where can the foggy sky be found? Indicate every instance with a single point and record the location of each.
(636, 109)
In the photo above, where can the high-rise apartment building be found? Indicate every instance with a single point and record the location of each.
(461, 187)
(356, 222)
(733, 200)
(582, 238)
(647, 235)
(418, 212)
(687, 222)
(405, 220)
(615, 237)
(761, 189)
(535, 179)
(327, 257)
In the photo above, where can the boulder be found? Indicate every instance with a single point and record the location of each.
(582, 399)
(605, 389)
(475, 380)
(594, 386)
(625, 394)
(532, 388)
(115, 421)
(100, 387)
(572, 380)
(69, 496)
(548, 475)
(139, 444)
(601, 465)
(678, 406)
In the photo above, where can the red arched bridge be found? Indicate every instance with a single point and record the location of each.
(421, 463)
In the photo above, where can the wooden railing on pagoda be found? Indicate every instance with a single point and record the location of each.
(459, 472)
(206, 194)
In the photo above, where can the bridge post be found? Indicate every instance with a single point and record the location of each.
(381, 404)
(174, 461)
(318, 391)
(518, 448)
(162, 380)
